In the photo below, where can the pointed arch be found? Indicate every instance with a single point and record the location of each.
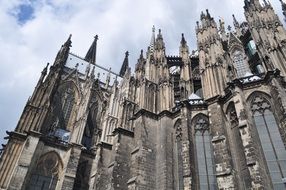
(203, 151)
(64, 103)
(239, 62)
(47, 172)
(254, 94)
(272, 145)
(178, 172)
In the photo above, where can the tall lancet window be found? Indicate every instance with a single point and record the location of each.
(239, 64)
(63, 105)
(271, 141)
(204, 153)
(67, 104)
(178, 157)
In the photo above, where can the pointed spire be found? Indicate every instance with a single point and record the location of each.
(141, 54)
(235, 22)
(159, 36)
(63, 54)
(68, 42)
(283, 8)
(184, 49)
(43, 74)
(256, 3)
(125, 65)
(183, 40)
(91, 54)
(246, 4)
(107, 82)
(152, 43)
(221, 25)
(159, 44)
(140, 61)
(45, 70)
(208, 14)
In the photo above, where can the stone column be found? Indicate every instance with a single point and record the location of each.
(250, 150)
(24, 163)
(70, 173)
(222, 157)
(10, 158)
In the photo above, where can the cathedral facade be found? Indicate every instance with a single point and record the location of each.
(214, 118)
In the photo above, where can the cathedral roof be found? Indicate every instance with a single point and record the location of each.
(193, 96)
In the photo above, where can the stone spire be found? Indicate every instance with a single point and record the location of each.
(125, 65)
(256, 3)
(159, 44)
(235, 22)
(184, 49)
(63, 54)
(91, 54)
(222, 29)
(152, 43)
(268, 39)
(283, 9)
(236, 26)
(183, 41)
(211, 54)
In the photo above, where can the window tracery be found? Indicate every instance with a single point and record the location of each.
(205, 165)
(178, 157)
(46, 173)
(271, 141)
(239, 64)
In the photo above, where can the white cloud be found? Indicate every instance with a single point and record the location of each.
(121, 25)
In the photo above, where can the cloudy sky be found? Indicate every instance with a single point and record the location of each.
(32, 31)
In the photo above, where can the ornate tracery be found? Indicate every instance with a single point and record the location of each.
(177, 155)
(47, 172)
(270, 138)
(204, 155)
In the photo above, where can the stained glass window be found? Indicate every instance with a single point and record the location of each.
(45, 176)
(271, 141)
(204, 154)
(68, 102)
(239, 64)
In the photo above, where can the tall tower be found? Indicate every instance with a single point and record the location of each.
(211, 56)
(283, 9)
(186, 87)
(61, 117)
(268, 33)
(154, 77)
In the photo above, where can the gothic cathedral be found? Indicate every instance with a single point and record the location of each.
(209, 119)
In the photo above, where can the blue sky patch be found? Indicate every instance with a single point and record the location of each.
(25, 13)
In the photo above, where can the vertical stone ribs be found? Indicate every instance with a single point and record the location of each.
(223, 162)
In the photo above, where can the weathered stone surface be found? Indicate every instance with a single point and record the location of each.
(193, 121)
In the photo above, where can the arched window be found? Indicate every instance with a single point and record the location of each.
(178, 157)
(204, 153)
(67, 104)
(239, 63)
(62, 107)
(271, 141)
(46, 173)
